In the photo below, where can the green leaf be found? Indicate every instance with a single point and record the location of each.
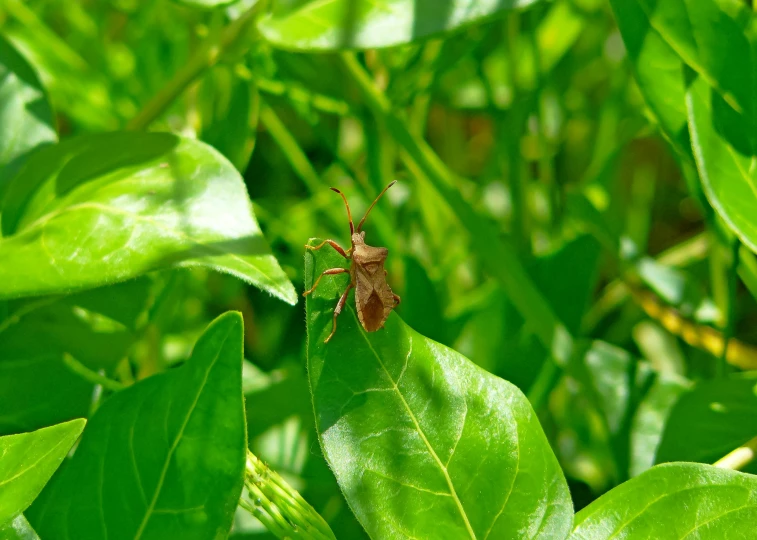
(724, 152)
(18, 529)
(205, 3)
(710, 37)
(423, 442)
(709, 421)
(349, 24)
(161, 459)
(28, 460)
(26, 120)
(658, 70)
(38, 391)
(229, 113)
(675, 501)
(650, 419)
(102, 209)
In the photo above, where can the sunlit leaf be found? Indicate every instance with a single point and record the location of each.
(18, 529)
(724, 152)
(423, 442)
(26, 120)
(672, 502)
(161, 459)
(343, 24)
(102, 209)
(28, 460)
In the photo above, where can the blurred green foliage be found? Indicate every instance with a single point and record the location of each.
(550, 222)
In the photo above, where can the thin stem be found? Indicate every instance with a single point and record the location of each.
(739, 458)
(206, 57)
(90, 375)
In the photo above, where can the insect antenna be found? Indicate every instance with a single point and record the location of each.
(360, 225)
(349, 214)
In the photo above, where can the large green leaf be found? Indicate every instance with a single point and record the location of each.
(101, 209)
(423, 442)
(161, 459)
(26, 119)
(675, 501)
(349, 24)
(709, 421)
(28, 460)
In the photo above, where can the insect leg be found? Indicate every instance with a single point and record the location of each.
(338, 310)
(397, 299)
(329, 272)
(333, 244)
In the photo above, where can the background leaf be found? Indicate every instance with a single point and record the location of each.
(163, 458)
(26, 120)
(464, 433)
(343, 24)
(28, 460)
(712, 419)
(673, 501)
(96, 210)
(724, 152)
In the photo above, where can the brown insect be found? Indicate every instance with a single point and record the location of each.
(373, 297)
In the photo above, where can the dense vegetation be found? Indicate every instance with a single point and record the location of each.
(572, 235)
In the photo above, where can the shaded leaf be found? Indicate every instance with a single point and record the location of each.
(423, 442)
(675, 501)
(229, 115)
(161, 459)
(26, 120)
(710, 420)
(347, 24)
(101, 209)
(28, 460)
(650, 419)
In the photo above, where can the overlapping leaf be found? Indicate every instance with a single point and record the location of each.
(28, 460)
(101, 209)
(342, 24)
(26, 120)
(423, 442)
(709, 421)
(672, 502)
(161, 459)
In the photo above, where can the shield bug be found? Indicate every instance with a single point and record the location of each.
(374, 298)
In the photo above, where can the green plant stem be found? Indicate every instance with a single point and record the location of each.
(204, 58)
(730, 306)
(15, 317)
(280, 507)
(739, 458)
(296, 93)
(90, 375)
(499, 258)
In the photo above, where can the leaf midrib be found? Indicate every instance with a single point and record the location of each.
(420, 431)
(161, 479)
